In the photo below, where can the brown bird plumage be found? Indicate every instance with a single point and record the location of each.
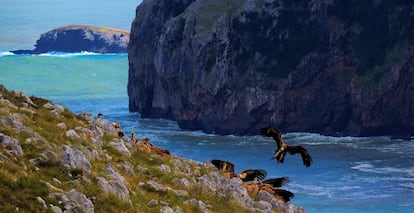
(227, 169)
(277, 182)
(148, 146)
(282, 147)
(117, 127)
(272, 187)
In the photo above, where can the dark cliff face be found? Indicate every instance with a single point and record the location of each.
(232, 67)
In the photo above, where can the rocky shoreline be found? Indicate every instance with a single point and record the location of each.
(79, 163)
(78, 38)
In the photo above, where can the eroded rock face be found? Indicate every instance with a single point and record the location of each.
(77, 38)
(232, 67)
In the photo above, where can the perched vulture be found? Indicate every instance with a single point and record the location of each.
(148, 146)
(117, 127)
(282, 147)
(227, 169)
(272, 187)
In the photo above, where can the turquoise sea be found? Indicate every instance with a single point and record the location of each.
(372, 174)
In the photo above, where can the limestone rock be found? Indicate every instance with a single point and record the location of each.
(87, 116)
(75, 159)
(54, 108)
(152, 203)
(43, 202)
(164, 168)
(116, 184)
(120, 146)
(155, 187)
(11, 144)
(56, 209)
(230, 187)
(14, 121)
(180, 193)
(182, 182)
(166, 209)
(78, 202)
(199, 204)
(50, 155)
(62, 125)
(73, 135)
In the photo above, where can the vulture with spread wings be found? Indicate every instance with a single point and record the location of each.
(227, 169)
(282, 147)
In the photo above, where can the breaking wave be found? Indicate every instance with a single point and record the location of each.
(2, 54)
(60, 54)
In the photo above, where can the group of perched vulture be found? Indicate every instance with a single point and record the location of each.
(254, 179)
(145, 144)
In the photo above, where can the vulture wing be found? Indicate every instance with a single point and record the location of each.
(251, 174)
(306, 158)
(223, 166)
(284, 194)
(217, 163)
(276, 134)
(277, 182)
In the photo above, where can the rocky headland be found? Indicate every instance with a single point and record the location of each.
(78, 38)
(232, 67)
(55, 161)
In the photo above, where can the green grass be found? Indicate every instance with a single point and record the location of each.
(93, 28)
(211, 11)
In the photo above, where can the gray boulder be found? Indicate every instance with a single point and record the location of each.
(120, 146)
(114, 183)
(75, 159)
(78, 201)
(12, 144)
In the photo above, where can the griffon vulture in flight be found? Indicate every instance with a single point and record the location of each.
(282, 147)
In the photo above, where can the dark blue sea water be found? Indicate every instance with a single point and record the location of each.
(373, 174)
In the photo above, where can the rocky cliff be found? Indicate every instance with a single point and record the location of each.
(77, 38)
(55, 161)
(230, 67)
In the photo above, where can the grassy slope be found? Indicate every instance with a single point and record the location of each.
(21, 182)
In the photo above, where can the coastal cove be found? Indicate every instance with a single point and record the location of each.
(348, 174)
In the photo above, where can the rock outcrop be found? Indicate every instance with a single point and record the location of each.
(78, 38)
(232, 67)
(93, 169)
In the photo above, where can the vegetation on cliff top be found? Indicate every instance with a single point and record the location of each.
(92, 28)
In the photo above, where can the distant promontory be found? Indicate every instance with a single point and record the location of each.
(78, 38)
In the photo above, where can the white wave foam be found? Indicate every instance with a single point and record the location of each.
(408, 185)
(68, 55)
(314, 139)
(2, 54)
(367, 167)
